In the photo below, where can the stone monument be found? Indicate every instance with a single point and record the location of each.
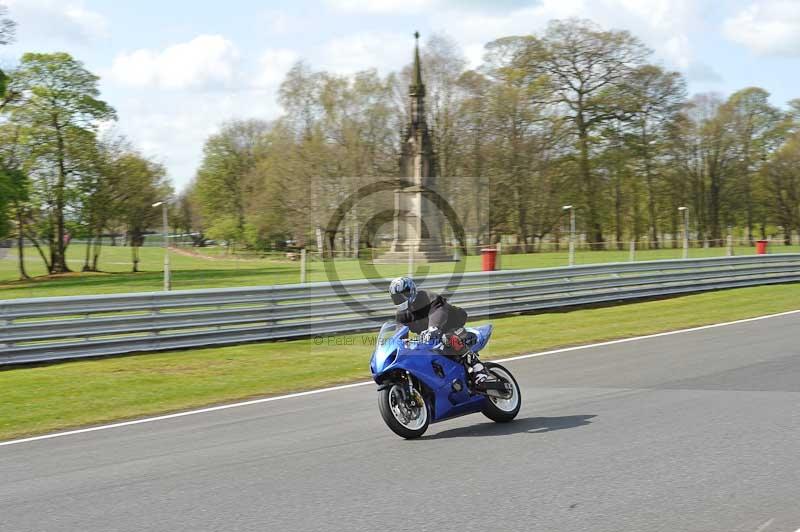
(418, 221)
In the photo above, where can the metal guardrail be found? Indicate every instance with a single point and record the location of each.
(46, 329)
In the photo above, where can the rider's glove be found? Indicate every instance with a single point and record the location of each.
(430, 335)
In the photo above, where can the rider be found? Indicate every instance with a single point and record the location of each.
(430, 316)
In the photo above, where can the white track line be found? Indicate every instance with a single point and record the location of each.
(353, 385)
(645, 337)
(182, 414)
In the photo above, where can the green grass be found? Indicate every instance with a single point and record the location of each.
(191, 272)
(50, 397)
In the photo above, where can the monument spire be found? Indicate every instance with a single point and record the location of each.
(416, 91)
(417, 87)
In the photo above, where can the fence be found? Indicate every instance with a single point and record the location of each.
(45, 329)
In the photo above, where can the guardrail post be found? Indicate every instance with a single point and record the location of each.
(632, 255)
(730, 246)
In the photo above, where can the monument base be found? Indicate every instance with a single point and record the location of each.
(401, 257)
(421, 251)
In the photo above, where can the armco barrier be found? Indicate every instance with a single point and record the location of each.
(45, 329)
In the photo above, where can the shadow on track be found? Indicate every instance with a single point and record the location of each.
(530, 425)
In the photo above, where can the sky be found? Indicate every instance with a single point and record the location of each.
(176, 69)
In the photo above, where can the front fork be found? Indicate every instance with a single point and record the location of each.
(409, 390)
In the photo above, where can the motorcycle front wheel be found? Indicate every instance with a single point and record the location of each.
(405, 420)
(502, 410)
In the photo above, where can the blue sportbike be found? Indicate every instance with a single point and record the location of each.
(419, 385)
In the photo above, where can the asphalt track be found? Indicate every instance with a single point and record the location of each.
(698, 431)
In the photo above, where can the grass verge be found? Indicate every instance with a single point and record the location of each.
(51, 397)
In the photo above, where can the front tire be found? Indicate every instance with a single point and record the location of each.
(505, 409)
(407, 422)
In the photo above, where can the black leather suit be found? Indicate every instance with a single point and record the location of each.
(430, 309)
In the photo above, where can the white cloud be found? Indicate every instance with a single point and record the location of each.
(770, 27)
(677, 51)
(381, 6)
(93, 23)
(412, 7)
(206, 61)
(273, 65)
(382, 50)
(175, 120)
(278, 22)
(701, 72)
(664, 25)
(60, 20)
(173, 127)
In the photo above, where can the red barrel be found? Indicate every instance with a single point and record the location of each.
(761, 247)
(489, 259)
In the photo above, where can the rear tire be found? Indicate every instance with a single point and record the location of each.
(502, 410)
(393, 413)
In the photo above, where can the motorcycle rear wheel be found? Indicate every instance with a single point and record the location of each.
(502, 410)
(405, 421)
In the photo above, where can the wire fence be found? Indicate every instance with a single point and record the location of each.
(719, 247)
(298, 265)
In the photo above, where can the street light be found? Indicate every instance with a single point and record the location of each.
(167, 280)
(685, 211)
(571, 233)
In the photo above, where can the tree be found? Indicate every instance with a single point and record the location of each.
(228, 157)
(13, 196)
(702, 147)
(656, 97)
(754, 126)
(6, 194)
(524, 145)
(782, 175)
(8, 189)
(14, 190)
(443, 64)
(575, 115)
(793, 115)
(470, 189)
(136, 212)
(104, 194)
(588, 71)
(8, 30)
(226, 229)
(185, 217)
(59, 112)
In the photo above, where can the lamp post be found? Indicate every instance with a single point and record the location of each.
(685, 211)
(571, 233)
(167, 280)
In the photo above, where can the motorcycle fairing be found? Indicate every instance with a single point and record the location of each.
(484, 332)
(392, 353)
